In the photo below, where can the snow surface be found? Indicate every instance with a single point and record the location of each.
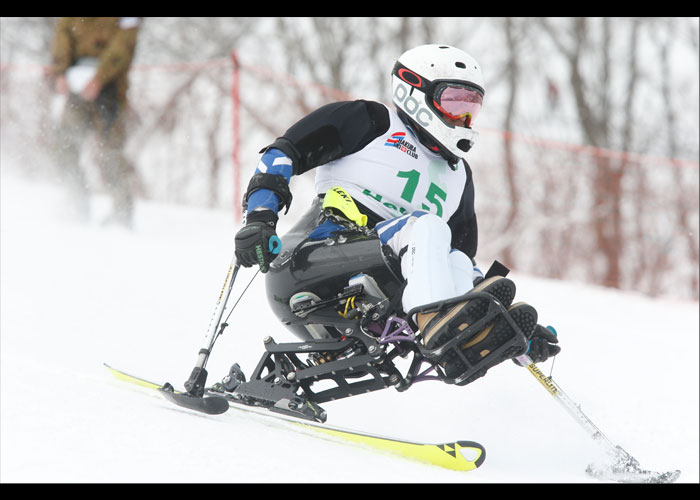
(75, 297)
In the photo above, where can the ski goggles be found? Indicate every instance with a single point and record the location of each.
(457, 101)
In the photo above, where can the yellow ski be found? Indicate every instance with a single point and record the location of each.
(458, 455)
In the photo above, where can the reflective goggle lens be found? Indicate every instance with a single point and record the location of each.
(457, 102)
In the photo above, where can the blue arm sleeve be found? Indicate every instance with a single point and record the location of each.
(273, 161)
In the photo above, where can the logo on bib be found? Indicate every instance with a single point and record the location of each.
(398, 141)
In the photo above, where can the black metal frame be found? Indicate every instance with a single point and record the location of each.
(284, 383)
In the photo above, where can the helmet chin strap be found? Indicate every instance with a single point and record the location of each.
(450, 158)
(429, 143)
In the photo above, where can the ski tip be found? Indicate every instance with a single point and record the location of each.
(473, 454)
(457, 455)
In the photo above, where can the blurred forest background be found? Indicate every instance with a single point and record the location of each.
(587, 162)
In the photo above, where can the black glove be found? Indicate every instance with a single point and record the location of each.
(257, 242)
(542, 344)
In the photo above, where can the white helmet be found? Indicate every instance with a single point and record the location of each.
(432, 86)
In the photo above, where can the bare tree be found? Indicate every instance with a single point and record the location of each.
(590, 75)
(512, 72)
(686, 201)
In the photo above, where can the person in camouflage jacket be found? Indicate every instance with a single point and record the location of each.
(102, 48)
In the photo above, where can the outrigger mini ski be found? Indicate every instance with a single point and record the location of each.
(194, 397)
(623, 467)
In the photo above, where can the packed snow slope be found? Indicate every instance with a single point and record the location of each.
(77, 296)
